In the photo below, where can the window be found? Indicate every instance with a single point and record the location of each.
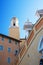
(41, 62)
(9, 60)
(41, 43)
(2, 38)
(9, 49)
(16, 52)
(1, 47)
(14, 24)
(40, 46)
(16, 42)
(9, 40)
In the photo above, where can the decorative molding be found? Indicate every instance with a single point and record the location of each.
(39, 24)
(30, 37)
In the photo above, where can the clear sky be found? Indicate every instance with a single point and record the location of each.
(22, 9)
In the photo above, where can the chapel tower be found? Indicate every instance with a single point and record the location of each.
(14, 28)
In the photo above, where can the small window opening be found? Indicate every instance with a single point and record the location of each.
(14, 24)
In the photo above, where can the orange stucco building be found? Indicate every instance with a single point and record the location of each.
(9, 50)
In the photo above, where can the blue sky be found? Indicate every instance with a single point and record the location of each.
(22, 9)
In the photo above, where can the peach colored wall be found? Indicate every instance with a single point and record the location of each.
(5, 54)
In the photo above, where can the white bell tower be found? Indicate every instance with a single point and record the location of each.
(14, 28)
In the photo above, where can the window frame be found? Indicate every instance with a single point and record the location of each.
(9, 40)
(2, 38)
(9, 60)
(9, 49)
(16, 42)
(16, 52)
(1, 49)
